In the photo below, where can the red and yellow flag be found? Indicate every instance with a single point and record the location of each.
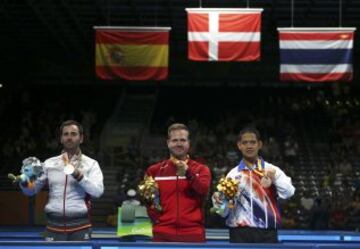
(132, 53)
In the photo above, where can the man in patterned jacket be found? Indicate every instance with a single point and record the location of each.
(183, 186)
(73, 179)
(255, 216)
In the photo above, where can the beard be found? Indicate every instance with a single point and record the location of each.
(178, 153)
(70, 145)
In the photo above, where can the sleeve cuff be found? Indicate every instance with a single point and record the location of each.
(189, 175)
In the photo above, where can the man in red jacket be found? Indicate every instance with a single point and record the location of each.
(183, 186)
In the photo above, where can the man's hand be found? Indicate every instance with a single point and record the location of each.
(181, 164)
(181, 167)
(217, 199)
(77, 175)
(270, 173)
(19, 178)
(13, 178)
(218, 203)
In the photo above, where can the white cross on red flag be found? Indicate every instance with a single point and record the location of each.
(224, 34)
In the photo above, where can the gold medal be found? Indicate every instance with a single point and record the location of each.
(180, 171)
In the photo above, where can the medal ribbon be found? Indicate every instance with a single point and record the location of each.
(176, 161)
(67, 161)
(258, 168)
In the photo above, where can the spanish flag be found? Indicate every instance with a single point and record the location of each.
(132, 53)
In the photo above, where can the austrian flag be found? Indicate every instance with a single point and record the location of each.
(224, 34)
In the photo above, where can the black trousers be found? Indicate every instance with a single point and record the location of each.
(81, 235)
(252, 235)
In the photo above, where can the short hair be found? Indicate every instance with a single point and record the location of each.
(71, 122)
(249, 129)
(178, 126)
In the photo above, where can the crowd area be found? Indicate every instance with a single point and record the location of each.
(311, 134)
(31, 116)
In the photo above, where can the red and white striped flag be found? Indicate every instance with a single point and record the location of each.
(224, 34)
(316, 54)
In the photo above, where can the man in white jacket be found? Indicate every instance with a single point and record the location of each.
(73, 180)
(255, 216)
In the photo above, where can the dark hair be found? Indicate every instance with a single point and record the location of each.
(71, 122)
(177, 126)
(249, 129)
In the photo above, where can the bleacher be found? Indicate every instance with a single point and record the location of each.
(316, 119)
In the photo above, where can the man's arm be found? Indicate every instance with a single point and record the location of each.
(152, 212)
(220, 203)
(283, 184)
(200, 178)
(32, 188)
(93, 183)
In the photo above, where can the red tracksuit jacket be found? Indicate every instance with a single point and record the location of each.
(181, 199)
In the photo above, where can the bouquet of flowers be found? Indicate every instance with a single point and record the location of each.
(149, 191)
(227, 189)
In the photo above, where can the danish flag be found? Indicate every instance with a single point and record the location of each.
(224, 34)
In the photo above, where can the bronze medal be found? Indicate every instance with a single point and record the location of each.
(265, 182)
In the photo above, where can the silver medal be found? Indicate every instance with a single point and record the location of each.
(69, 169)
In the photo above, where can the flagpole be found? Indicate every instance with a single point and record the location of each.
(340, 13)
(156, 12)
(292, 13)
(108, 22)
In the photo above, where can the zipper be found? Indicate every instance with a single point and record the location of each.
(251, 198)
(64, 198)
(177, 204)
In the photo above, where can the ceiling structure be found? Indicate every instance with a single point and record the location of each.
(53, 40)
